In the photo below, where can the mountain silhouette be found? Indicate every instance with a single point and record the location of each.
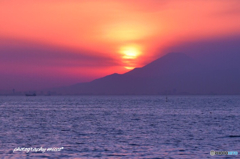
(172, 74)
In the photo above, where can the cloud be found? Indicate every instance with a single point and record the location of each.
(27, 65)
(30, 54)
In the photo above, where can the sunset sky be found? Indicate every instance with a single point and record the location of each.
(52, 43)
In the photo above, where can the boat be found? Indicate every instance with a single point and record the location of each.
(30, 94)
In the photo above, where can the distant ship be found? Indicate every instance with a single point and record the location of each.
(30, 94)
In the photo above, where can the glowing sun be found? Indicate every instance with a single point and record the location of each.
(129, 55)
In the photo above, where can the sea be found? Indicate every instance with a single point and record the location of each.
(119, 127)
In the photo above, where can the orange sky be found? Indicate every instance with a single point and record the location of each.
(131, 33)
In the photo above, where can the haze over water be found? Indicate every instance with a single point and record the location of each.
(120, 126)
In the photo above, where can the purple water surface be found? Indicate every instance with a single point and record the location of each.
(120, 126)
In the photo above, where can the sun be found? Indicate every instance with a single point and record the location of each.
(129, 68)
(130, 53)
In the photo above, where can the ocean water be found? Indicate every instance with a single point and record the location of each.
(119, 126)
